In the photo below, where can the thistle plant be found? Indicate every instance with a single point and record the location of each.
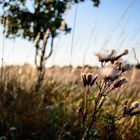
(107, 80)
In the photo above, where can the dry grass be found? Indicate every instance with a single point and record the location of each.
(53, 113)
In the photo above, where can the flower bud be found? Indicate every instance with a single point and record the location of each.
(88, 79)
(83, 75)
(120, 82)
(135, 104)
(125, 67)
(125, 52)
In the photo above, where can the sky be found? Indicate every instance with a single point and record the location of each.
(115, 24)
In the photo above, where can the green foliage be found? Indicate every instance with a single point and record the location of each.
(18, 20)
(110, 127)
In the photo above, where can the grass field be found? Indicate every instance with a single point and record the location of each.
(53, 112)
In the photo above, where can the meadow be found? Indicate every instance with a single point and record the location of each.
(54, 111)
(70, 103)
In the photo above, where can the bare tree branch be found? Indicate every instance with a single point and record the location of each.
(45, 38)
(36, 41)
(50, 53)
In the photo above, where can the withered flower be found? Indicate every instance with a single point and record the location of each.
(120, 82)
(129, 110)
(83, 75)
(125, 52)
(110, 73)
(88, 79)
(125, 67)
(117, 57)
(135, 104)
(102, 57)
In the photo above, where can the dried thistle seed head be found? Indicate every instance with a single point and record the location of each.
(102, 57)
(118, 64)
(135, 104)
(113, 52)
(125, 52)
(120, 82)
(125, 109)
(83, 75)
(88, 79)
(125, 67)
(93, 80)
(110, 73)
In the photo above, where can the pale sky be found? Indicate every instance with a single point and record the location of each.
(115, 24)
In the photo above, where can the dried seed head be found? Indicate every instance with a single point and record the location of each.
(102, 57)
(125, 67)
(93, 80)
(113, 52)
(125, 52)
(117, 57)
(120, 82)
(110, 73)
(135, 104)
(88, 79)
(83, 75)
(117, 64)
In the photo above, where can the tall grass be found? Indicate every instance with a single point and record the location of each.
(54, 113)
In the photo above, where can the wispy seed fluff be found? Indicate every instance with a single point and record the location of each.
(110, 73)
(102, 57)
(111, 57)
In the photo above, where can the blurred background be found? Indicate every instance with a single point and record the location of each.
(114, 24)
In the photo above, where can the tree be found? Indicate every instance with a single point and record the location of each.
(44, 23)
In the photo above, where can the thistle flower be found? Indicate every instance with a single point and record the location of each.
(111, 57)
(110, 73)
(120, 82)
(135, 104)
(83, 75)
(102, 57)
(119, 56)
(125, 67)
(129, 110)
(88, 79)
(125, 52)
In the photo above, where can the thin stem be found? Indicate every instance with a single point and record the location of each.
(97, 107)
(85, 104)
(50, 53)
